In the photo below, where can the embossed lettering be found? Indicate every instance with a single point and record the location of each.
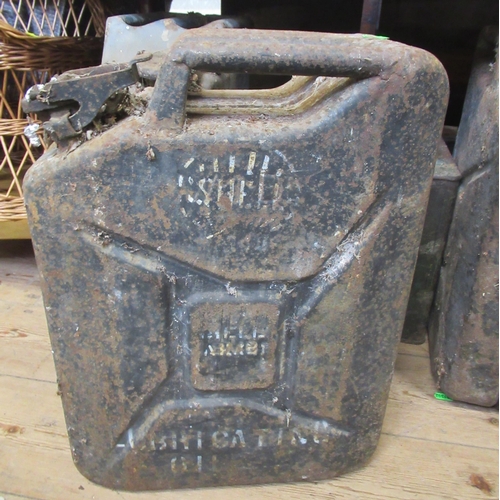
(187, 445)
(178, 464)
(220, 439)
(237, 337)
(188, 438)
(231, 185)
(238, 439)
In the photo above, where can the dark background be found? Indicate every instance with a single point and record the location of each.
(447, 28)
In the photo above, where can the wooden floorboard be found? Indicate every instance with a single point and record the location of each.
(428, 449)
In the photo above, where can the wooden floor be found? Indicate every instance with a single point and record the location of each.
(429, 449)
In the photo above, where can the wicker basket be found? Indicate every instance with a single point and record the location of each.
(26, 59)
(68, 18)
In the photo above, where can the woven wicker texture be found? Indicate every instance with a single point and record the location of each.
(55, 17)
(38, 39)
(25, 52)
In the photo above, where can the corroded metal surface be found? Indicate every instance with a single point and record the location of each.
(430, 253)
(79, 95)
(225, 293)
(464, 327)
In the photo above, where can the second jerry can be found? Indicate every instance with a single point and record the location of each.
(437, 223)
(225, 292)
(463, 328)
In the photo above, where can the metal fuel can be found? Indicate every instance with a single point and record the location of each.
(226, 289)
(463, 332)
(445, 183)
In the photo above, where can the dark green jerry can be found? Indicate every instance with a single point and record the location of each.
(225, 291)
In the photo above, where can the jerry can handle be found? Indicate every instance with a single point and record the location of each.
(265, 51)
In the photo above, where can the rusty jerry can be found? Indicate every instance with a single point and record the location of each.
(225, 292)
(463, 331)
(437, 223)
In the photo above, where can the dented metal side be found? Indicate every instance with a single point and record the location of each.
(464, 325)
(225, 293)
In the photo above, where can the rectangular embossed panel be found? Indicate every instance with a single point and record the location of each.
(225, 291)
(233, 345)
